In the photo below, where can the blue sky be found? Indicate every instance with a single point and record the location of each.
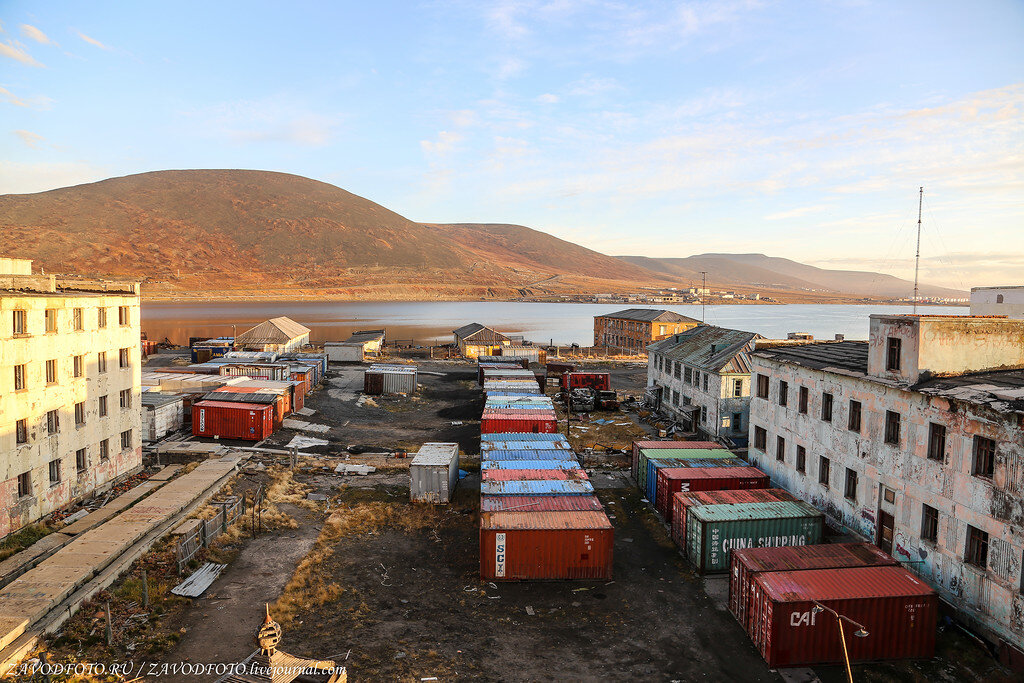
(797, 129)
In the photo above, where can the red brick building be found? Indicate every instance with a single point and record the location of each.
(631, 330)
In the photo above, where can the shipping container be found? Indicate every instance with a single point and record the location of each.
(682, 502)
(657, 445)
(519, 436)
(558, 369)
(595, 380)
(274, 371)
(536, 488)
(304, 374)
(673, 480)
(521, 362)
(520, 403)
(240, 395)
(434, 473)
(344, 352)
(532, 354)
(488, 446)
(545, 545)
(575, 474)
(486, 464)
(528, 455)
(580, 503)
(712, 531)
(523, 422)
(389, 379)
(747, 564)
(482, 367)
(647, 456)
(897, 609)
(320, 359)
(246, 421)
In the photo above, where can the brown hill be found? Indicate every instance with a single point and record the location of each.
(215, 230)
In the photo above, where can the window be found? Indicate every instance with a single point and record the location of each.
(20, 322)
(783, 393)
(101, 317)
(126, 398)
(737, 388)
(52, 422)
(892, 354)
(688, 375)
(824, 470)
(677, 369)
(854, 424)
(76, 319)
(851, 485)
(826, 407)
(19, 377)
(977, 547)
(737, 422)
(103, 406)
(123, 318)
(999, 298)
(24, 484)
(984, 457)
(674, 397)
(760, 438)
(101, 361)
(124, 358)
(126, 439)
(51, 372)
(104, 449)
(703, 414)
(80, 414)
(929, 523)
(892, 427)
(705, 381)
(762, 386)
(21, 431)
(801, 459)
(81, 461)
(936, 442)
(804, 399)
(54, 472)
(50, 317)
(79, 365)
(780, 449)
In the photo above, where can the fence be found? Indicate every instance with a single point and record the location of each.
(208, 529)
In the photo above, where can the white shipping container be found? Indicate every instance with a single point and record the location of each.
(434, 473)
(344, 352)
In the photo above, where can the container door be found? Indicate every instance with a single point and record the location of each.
(886, 522)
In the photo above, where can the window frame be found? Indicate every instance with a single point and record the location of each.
(780, 448)
(929, 523)
(104, 450)
(893, 354)
(52, 422)
(19, 323)
(824, 471)
(81, 460)
(76, 319)
(804, 400)
(126, 436)
(762, 386)
(78, 366)
(855, 425)
(977, 547)
(983, 464)
(801, 459)
(827, 406)
(101, 317)
(101, 362)
(21, 377)
(783, 393)
(760, 438)
(52, 372)
(55, 470)
(103, 409)
(892, 428)
(850, 485)
(50, 321)
(936, 432)
(80, 414)
(20, 432)
(25, 484)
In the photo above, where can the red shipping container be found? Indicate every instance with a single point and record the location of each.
(533, 475)
(535, 421)
(681, 502)
(580, 503)
(898, 610)
(602, 381)
(637, 445)
(247, 421)
(545, 545)
(281, 406)
(305, 376)
(749, 562)
(673, 480)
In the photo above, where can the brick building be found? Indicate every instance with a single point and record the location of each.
(631, 330)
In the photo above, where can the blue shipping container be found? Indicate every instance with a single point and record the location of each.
(650, 486)
(548, 487)
(529, 464)
(529, 454)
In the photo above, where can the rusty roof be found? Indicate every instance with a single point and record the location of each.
(849, 356)
(647, 315)
(709, 348)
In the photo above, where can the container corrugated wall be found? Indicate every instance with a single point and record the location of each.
(581, 503)
(566, 464)
(434, 473)
(576, 474)
(680, 458)
(519, 436)
(535, 488)
(673, 480)
(682, 502)
(545, 545)
(385, 379)
(245, 421)
(657, 445)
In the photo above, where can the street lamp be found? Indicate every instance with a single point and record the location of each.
(861, 632)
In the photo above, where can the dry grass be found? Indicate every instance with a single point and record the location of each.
(24, 538)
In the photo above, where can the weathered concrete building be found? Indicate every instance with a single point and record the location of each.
(1008, 301)
(913, 440)
(277, 334)
(703, 379)
(631, 330)
(69, 391)
(372, 341)
(475, 340)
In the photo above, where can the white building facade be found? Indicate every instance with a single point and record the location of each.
(914, 441)
(1008, 301)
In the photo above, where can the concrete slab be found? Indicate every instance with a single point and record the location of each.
(17, 564)
(166, 473)
(11, 628)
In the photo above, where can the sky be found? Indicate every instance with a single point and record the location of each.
(795, 129)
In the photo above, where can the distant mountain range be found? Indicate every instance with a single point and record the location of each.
(265, 234)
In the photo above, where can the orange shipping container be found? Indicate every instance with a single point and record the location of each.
(545, 545)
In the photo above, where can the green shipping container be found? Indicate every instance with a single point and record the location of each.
(678, 454)
(713, 531)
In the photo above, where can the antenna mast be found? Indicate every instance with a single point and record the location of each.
(703, 292)
(917, 254)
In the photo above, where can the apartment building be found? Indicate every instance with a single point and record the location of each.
(631, 330)
(913, 440)
(1008, 301)
(70, 383)
(702, 377)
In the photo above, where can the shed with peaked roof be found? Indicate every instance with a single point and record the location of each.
(277, 334)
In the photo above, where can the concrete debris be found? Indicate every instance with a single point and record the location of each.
(306, 412)
(305, 426)
(344, 468)
(316, 496)
(71, 519)
(306, 442)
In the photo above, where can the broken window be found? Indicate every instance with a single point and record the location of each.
(854, 423)
(804, 398)
(737, 422)
(984, 457)
(893, 349)
(762, 386)
(783, 393)
(780, 449)
(101, 317)
(936, 441)
(104, 449)
(126, 439)
(801, 459)
(24, 484)
(760, 438)
(892, 427)
(51, 371)
(126, 398)
(76, 317)
(54, 472)
(824, 470)
(80, 414)
(20, 322)
(123, 317)
(826, 407)
(19, 377)
(78, 363)
(124, 357)
(737, 388)
(101, 361)
(50, 318)
(929, 523)
(851, 485)
(977, 547)
(52, 422)
(81, 461)
(21, 431)
(103, 406)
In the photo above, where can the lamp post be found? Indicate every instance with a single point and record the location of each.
(861, 632)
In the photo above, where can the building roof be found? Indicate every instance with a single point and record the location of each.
(274, 331)
(845, 357)
(1002, 390)
(479, 333)
(364, 336)
(709, 348)
(155, 399)
(647, 315)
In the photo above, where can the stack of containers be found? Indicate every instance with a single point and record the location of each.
(655, 445)
(673, 480)
(539, 516)
(682, 502)
(651, 461)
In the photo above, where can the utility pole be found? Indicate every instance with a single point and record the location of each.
(703, 292)
(917, 254)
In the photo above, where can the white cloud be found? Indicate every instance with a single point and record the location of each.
(37, 102)
(93, 41)
(590, 85)
(35, 34)
(444, 144)
(17, 53)
(29, 138)
(23, 178)
(548, 98)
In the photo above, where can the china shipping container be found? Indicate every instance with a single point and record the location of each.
(747, 564)
(897, 609)
(682, 502)
(533, 475)
(519, 421)
(673, 480)
(486, 464)
(545, 545)
(582, 503)
(434, 473)
(519, 436)
(645, 469)
(262, 398)
(246, 421)
(528, 455)
(595, 380)
(656, 445)
(549, 487)
(712, 531)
